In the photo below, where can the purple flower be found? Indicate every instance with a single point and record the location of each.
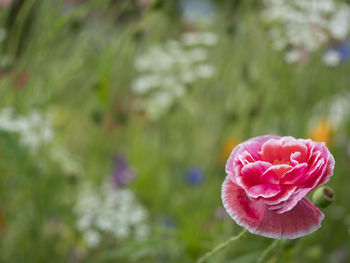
(343, 50)
(169, 222)
(194, 176)
(122, 173)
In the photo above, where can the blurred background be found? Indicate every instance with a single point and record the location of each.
(117, 118)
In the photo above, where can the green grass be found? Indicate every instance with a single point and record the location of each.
(80, 67)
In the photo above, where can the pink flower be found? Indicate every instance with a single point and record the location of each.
(5, 3)
(268, 178)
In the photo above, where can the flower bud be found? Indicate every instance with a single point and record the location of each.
(323, 196)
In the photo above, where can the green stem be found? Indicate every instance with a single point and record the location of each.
(18, 27)
(221, 246)
(267, 251)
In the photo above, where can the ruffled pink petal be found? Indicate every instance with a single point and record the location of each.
(264, 190)
(314, 158)
(255, 216)
(322, 170)
(245, 158)
(272, 151)
(329, 170)
(285, 194)
(291, 202)
(281, 150)
(250, 174)
(296, 176)
(302, 220)
(274, 173)
(292, 145)
(318, 151)
(295, 158)
(239, 206)
(252, 146)
(315, 173)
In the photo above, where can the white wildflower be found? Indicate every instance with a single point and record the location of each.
(158, 104)
(34, 129)
(209, 39)
(109, 210)
(188, 76)
(92, 238)
(292, 56)
(306, 24)
(84, 222)
(197, 38)
(165, 70)
(335, 109)
(198, 54)
(66, 161)
(145, 83)
(331, 58)
(339, 25)
(191, 38)
(339, 109)
(205, 71)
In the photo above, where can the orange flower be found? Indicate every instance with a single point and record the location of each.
(227, 148)
(321, 132)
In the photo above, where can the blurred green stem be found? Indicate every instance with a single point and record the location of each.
(221, 246)
(268, 250)
(18, 28)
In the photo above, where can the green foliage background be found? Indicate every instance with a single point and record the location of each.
(79, 64)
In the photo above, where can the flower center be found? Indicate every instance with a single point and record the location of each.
(277, 162)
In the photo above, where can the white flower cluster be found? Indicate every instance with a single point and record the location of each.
(303, 26)
(34, 130)
(331, 58)
(336, 110)
(109, 211)
(66, 161)
(165, 70)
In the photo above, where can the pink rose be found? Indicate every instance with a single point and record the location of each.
(268, 178)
